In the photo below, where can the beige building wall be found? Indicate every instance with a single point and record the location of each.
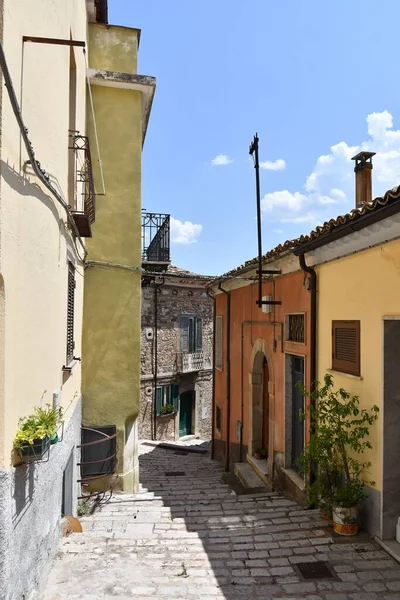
(36, 246)
(36, 243)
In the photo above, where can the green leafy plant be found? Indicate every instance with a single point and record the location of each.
(168, 409)
(333, 453)
(43, 423)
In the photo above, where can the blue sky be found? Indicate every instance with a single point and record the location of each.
(317, 80)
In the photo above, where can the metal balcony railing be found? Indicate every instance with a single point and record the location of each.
(155, 237)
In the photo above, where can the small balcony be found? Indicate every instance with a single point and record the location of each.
(84, 179)
(155, 241)
(193, 361)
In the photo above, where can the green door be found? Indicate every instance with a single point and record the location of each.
(185, 413)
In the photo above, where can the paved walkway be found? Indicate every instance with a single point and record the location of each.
(186, 535)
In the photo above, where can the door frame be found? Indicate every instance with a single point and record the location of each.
(192, 394)
(288, 406)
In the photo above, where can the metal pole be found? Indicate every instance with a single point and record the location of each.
(254, 150)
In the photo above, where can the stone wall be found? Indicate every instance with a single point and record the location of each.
(30, 514)
(174, 299)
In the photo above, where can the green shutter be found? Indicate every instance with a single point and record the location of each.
(175, 395)
(184, 334)
(159, 398)
(199, 334)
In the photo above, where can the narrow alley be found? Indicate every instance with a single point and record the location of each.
(188, 535)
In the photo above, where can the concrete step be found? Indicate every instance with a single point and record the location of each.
(248, 477)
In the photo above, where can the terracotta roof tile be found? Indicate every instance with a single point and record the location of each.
(390, 197)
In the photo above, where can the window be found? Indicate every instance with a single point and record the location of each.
(218, 343)
(218, 419)
(72, 129)
(346, 347)
(70, 313)
(294, 326)
(191, 333)
(167, 394)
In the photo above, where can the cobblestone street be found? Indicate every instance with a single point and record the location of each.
(187, 535)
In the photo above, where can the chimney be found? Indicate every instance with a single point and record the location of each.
(363, 171)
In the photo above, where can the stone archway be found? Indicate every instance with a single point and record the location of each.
(261, 402)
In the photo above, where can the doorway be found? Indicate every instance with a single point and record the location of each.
(260, 404)
(390, 506)
(186, 408)
(297, 409)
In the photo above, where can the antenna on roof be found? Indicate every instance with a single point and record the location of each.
(253, 151)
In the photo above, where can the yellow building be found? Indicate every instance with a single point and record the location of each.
(111, 339)
(357, 262)
(42, 63)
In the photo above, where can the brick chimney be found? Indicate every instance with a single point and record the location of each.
(363, 171)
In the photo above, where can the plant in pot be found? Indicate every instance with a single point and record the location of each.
(37, 432)
(340, 436)
(167, 409)
(259, 452)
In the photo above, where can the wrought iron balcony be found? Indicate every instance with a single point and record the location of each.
(84, 175)
(156, 239)
(189, 362)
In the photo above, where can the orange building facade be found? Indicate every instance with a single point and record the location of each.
(261, 353)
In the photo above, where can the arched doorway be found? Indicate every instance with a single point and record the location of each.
(260, 404)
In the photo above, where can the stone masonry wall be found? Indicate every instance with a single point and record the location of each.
(30, 515)
(174, 299)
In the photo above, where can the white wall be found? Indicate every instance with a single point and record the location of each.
(35, 244)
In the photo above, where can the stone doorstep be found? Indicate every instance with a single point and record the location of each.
(248, 477)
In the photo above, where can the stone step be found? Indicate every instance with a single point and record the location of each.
(248, 477)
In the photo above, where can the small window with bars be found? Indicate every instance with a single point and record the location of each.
(70, 313)
(218, 419)
(346, 347)
(218, 343)
(295, 330)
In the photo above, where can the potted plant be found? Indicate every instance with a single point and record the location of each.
(167, 410)
(259, 453)
(340, 436)
(37, 432)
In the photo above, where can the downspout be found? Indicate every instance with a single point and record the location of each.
(228, 373)
(313, 311)
(213, 297)
(313, 353)
(39, 172)
(156, 288)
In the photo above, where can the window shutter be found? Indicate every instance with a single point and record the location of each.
(218, 343)
(159, 398)
(184, 334)
(175, 395)
(346, 347)
(199, 334)
(70, 313)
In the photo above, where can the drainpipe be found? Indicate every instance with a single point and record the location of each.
(228, 373)
(213, 297)
(313, 289)
(156, 288)
(313, 353)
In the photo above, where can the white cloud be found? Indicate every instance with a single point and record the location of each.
(329, 189)
(276, 165)
(221, 159)
(184, 232)
(278, 231)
